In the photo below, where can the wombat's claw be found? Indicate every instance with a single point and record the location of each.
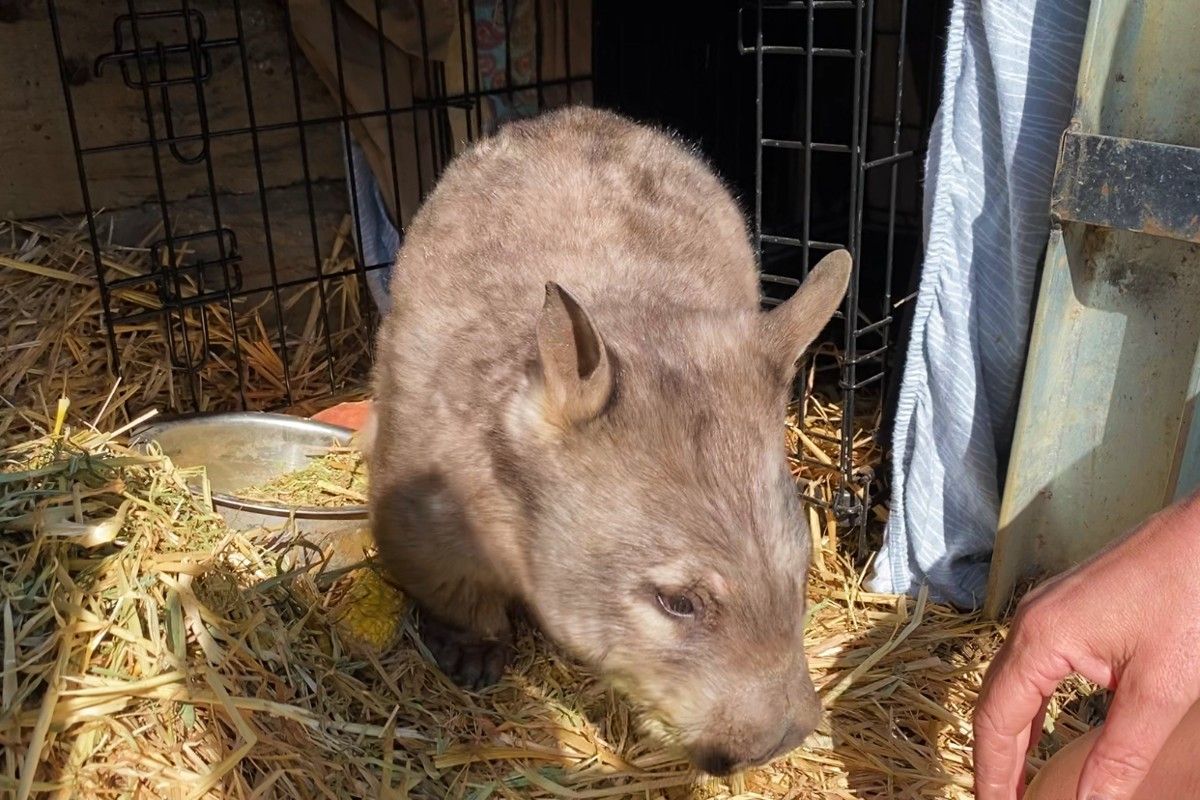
(472, 663)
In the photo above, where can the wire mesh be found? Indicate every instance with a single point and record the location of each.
(841, 122)
(406, 84)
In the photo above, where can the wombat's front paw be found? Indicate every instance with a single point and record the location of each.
(469, 661)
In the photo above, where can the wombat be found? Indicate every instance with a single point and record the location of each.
(579, 409)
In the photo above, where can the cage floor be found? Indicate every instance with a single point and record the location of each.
(149, 651)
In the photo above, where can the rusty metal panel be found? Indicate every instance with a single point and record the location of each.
(1130, 185)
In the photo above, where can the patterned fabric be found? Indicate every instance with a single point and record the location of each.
(1010, 75)
(492, 55)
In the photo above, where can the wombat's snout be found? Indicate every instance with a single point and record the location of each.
(764, 739)
(723, 760)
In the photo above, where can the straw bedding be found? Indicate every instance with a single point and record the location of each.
(52, 334)
(149, 651)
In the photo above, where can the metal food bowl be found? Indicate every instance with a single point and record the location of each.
(243, 449)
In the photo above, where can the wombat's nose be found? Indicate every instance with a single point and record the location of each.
(717, 763)
(796, 733)
(763, 734)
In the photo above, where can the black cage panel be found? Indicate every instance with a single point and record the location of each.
(259, 141)
(837, 168)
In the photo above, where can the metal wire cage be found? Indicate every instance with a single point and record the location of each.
(844, 98)
(267, 154)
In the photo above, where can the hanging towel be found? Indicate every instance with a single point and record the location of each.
(1010, 76)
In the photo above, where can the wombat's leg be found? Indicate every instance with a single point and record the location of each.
(465, 625)
(468, 631)
(467, 659)
(429, 547)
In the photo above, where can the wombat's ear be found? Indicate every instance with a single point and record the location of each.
(791, 327)
(576, 372)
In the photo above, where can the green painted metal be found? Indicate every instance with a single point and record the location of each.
(1109, 425)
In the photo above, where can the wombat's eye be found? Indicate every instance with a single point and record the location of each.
(677, 605)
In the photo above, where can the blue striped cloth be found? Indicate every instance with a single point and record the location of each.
(380, 239)
(1010, 75)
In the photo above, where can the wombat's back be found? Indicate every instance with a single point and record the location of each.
(629, 223)
(585, 198)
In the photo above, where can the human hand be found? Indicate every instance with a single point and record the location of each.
(1128, 619)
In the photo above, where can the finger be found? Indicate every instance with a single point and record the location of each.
(1013, 694)
(1034, 736)
(1035, 730)
(1139, 722)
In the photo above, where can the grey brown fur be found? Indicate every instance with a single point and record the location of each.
(578, 413)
